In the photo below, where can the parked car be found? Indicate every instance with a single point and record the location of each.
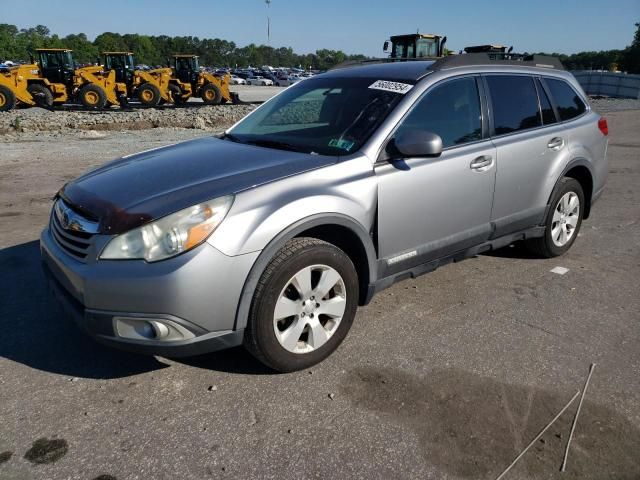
(271, 235)
(235, 80)
(259, 80)
(286, 80)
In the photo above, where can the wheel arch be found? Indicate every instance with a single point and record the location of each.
(340, 230)
(581, 170)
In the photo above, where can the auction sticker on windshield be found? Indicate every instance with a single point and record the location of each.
(388, 86)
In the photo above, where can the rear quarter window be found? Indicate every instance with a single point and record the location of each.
(568, 102)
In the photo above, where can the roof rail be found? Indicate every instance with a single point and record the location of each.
(356, 63)
(495, 58)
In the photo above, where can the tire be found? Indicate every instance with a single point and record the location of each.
(264, 84)
(291, 342)
(277, 84)
(93, 96)
(41, 95)
(149, 95)
(211, 94)
(7, 99)
(563, 220)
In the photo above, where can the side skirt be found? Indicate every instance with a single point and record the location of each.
(430, 266)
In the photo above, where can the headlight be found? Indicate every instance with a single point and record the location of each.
(170, 235)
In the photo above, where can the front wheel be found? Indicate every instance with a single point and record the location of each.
(149, 95)
(211, 94)
(563, 220)
(7, 99)
(93, 96)
(303, 306)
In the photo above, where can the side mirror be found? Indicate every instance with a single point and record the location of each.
(385, 47)
(418, 143)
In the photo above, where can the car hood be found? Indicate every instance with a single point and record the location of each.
(134, 190)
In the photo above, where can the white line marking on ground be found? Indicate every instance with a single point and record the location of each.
(559, 270)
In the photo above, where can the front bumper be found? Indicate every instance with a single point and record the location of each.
(198, 292)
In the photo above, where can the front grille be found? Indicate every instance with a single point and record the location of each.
(73, 241)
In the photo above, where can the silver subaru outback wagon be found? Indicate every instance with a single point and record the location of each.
(271, 234)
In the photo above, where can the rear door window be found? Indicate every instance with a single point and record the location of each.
(515, 103)
(568, 102)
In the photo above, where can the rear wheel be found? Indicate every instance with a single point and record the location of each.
(211, 94)
(563, 220)
(7, 99)
(92, 96)
(303, 306)
(41, 95)
(149, 95)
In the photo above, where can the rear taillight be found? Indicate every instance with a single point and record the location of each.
(602, 125)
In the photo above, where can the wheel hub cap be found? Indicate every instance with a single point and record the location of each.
(309, 309)
(565, 219)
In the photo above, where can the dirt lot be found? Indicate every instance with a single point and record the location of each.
(446, 376)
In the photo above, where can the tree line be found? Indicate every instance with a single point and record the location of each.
(18, 44)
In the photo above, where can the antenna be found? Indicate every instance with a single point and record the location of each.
(268, 2)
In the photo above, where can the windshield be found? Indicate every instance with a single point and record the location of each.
(427, 47)
(68, 59)
(327, 116)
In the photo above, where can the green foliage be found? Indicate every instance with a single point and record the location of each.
(17, 44)
(630, 57)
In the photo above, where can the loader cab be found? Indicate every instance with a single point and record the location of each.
(187, 68)
(56, 65)
(416, 45)
(122, 63)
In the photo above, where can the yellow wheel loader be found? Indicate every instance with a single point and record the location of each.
(54, 80)
(45, 83)
(174, 84)
(189, 81)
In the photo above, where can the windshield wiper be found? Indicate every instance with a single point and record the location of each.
(278, 145)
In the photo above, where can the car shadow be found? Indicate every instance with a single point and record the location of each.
(233, 360)
(36, 333)
(515, 250)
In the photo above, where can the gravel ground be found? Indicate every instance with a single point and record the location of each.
(446, 376)
(606, 105)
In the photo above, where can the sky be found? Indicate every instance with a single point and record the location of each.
(353, 26)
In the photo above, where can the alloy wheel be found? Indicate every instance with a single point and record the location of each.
(309, 309)
(565, 219)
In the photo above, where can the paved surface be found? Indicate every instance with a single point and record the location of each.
(446, 376)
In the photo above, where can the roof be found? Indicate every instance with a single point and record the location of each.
(419, 35)
(53, 50)
(384, 69)
(117, 53)
(184, 55)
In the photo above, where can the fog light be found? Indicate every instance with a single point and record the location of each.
(150, 329)
(160, 329)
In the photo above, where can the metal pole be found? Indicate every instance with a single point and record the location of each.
(575, 419)
(539, 435)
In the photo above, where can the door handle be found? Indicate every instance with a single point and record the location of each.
(556, 143)
(482, 163)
